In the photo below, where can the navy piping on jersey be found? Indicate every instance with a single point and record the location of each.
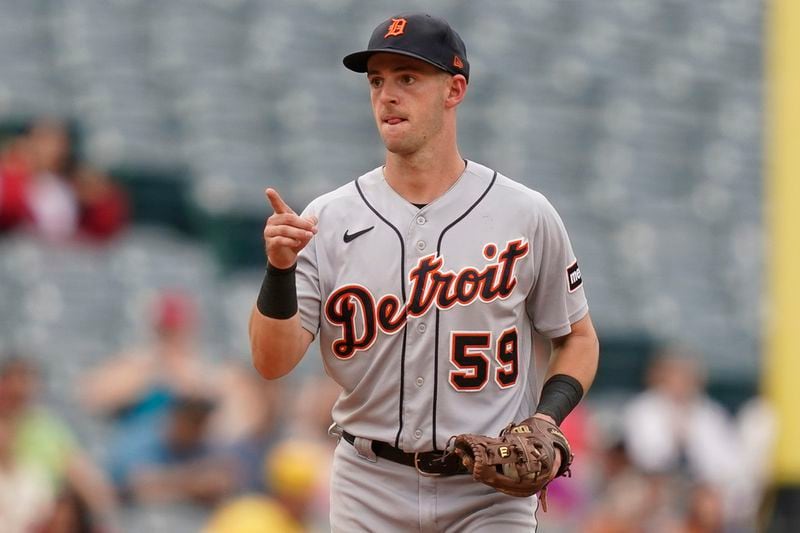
(436, 338)
(403, 291)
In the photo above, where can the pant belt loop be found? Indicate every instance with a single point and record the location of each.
(364, 449)
(335, 431)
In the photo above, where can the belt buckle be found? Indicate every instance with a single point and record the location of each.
(425, 473)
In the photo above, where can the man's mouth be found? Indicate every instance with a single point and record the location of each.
(392, 120)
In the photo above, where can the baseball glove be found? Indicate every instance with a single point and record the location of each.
(520, 461)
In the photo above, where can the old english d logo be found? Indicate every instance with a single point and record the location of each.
(397, 27)
(457, 62)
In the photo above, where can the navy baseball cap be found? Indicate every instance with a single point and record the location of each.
(416, 35)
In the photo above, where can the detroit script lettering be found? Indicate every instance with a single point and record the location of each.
(429, 286)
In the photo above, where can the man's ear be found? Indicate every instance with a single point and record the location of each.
(456, 90)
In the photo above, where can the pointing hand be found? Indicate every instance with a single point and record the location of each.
(286, 233)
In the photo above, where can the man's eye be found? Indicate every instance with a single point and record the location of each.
(376, 82)
(408, 80)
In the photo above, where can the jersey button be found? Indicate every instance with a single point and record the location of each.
(420, 381)
(421, 220)
(421, 327)
(421, 245)
(418, 434)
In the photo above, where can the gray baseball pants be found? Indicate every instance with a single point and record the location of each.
(372, 494)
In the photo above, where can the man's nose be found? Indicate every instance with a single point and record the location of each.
(388, 95)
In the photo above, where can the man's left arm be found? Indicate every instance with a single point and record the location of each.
(572, 368)
(559, 311)
(575, 355)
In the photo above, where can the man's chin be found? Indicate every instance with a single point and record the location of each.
(398, 148)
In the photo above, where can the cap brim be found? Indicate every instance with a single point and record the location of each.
(357, 61)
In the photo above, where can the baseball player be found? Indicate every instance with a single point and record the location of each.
(425, 280)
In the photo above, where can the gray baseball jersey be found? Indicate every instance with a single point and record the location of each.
(425, 316)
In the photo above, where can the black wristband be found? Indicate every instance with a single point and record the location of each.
(560, 394)
(278, 295)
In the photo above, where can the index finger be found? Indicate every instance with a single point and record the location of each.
(278, 205)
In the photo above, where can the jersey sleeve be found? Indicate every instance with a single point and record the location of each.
(307, 276)
(557, 298)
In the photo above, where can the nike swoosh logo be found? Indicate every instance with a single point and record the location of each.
(350, 236)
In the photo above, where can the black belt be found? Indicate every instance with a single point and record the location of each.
(433, 463)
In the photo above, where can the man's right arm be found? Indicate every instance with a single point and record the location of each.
(278, 339)
(277, 345)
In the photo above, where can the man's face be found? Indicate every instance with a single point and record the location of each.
(408, 100)
(50, 142)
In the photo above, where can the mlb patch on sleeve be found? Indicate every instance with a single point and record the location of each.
(574, 279)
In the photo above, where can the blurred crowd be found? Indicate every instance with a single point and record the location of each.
(185, 432)
(668, 459)
(254, 455)
(46, 189)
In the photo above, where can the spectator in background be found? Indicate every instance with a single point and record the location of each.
(144, 391)
(26, 497)
(139, 385)
(15, 170)
(102, 205)
(703, 511)
(674, 427)
(298, 471)
(252, 514)
(45, 443)
(174, 463)
(140, 389)
(70, 515)
(44, 189)
(244, 423)
(50, 198)
(757, 426)
(626, 499)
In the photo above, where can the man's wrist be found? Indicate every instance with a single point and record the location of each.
(560, 394)
(545, 417)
